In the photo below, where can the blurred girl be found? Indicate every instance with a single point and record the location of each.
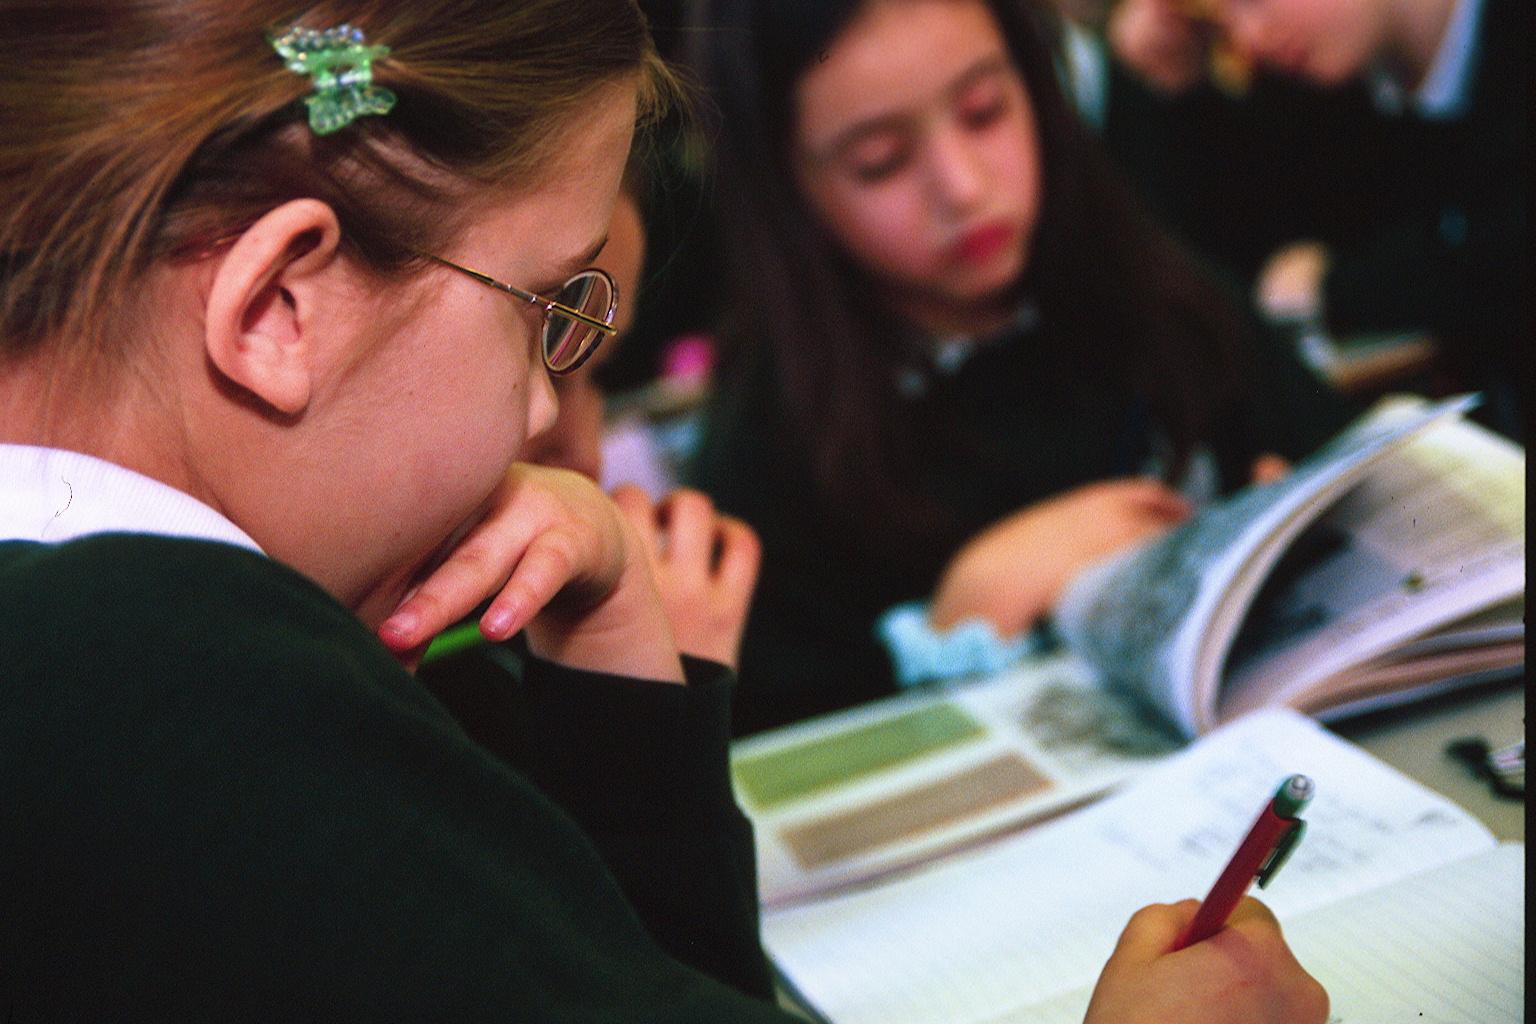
(961, 362)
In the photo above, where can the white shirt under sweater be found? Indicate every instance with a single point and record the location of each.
(53, 495)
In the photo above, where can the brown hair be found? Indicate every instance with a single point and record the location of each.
(137, 131)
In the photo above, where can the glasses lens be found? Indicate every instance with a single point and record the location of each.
(567, 343)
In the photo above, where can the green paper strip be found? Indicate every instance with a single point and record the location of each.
(775, 777)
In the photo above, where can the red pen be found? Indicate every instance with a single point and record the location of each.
(1260, 855)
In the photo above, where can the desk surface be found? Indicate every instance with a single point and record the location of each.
(1413, 739)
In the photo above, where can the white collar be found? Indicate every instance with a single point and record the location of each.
(950, 352)
(1447, 85)
(946, 355)
(53, 495)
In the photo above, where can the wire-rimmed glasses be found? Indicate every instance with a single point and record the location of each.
(575, 321)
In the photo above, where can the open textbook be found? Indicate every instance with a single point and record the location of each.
(1399, 902)
(1389, 563)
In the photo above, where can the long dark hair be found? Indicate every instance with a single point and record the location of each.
(1120, 301)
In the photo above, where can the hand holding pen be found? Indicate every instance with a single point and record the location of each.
(1273, 836)
(1238, 968)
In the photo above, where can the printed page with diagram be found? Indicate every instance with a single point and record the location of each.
(1404, 525)
(1026, 923)
(850, 796)
(1428, 550)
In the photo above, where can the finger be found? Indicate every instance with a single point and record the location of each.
(544, 570)
(636, 507)
(475, 568)
(630, 497)
(1152, 930)
(1269, 467)
(1157, 498)
(1253, 926)
(741, 555)
(1253, 915)
(687, 520)
(410, 657)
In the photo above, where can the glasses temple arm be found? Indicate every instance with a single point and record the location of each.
(548, 305)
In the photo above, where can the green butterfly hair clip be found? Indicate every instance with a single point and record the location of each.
(340, 64)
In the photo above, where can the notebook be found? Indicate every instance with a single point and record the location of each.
(1397, 900)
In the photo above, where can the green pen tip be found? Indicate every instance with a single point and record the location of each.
(1294, 794)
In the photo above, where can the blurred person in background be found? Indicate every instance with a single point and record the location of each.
(960, 364)
(1365, 171)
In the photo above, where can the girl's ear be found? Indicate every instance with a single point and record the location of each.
(260, 318)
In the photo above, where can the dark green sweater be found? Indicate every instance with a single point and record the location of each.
(221, 799)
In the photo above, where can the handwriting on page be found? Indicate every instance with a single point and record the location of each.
(1367, 824)
(1031, 919)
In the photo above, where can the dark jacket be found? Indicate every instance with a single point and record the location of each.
(221, 799)
(1426, 220)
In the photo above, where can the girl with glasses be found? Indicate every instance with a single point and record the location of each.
(705, 563)
(281, 291)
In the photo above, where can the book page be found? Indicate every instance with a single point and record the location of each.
(850, 796)
(1446, 946)
(1435, 533)
(1033, 916)
(1148, 619)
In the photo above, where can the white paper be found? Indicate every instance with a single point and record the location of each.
(1047, 713)
(1446, 946)
(1033, 917)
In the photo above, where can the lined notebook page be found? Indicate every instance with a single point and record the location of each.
(1032, 918)
(1443, 947)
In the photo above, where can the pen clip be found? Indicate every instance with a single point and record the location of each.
(1281, 852)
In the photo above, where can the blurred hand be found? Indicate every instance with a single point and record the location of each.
(705, 566)
(1244, 974)
(1268, 468)
(1290, 287)
(1014, 571)
(1161, 44)
(562, 562)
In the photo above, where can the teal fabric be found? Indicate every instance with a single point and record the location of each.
(221, 799)
(920, 653)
